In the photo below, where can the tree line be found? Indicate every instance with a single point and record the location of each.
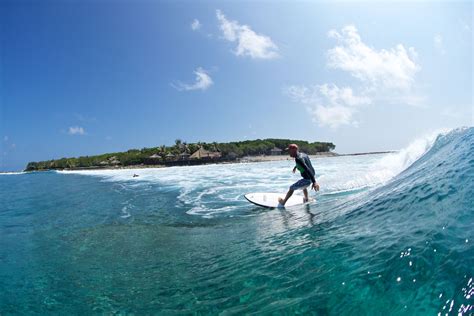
(180, 150)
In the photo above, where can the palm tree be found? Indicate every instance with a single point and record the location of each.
(185, 147)
(178, 144)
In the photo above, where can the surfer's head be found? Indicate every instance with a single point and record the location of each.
(292, 149)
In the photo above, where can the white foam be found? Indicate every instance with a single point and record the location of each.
(11, 173)
(208, 190)
(125, 212)
(393, 164)
(374, 170)
(210, 212)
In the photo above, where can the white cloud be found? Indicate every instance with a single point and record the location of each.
(83, 118)
(249, 43)
(333, 116)
(438, 43)
(195, 25)
(344, 96)
(76, 130)
(465, 26)
(392, 69)
(203, 82)
(383, 76)
(328, 104)
(5, 138)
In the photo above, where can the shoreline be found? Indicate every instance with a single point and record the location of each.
(246, 159)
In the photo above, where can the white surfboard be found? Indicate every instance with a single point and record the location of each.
(270, 200)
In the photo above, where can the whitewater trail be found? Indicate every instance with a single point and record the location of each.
(210, 190)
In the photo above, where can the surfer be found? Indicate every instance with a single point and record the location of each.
(303, 164)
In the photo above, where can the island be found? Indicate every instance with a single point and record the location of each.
(183, 154)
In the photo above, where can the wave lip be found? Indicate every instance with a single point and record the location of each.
(416, 229)
(217, 189)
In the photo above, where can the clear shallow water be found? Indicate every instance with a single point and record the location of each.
(389, 234)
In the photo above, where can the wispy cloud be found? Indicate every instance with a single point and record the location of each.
(328, 104)
(386, 75)
(466, 26)
(202, 81)
(84, 118)
(76, 130)
(438, 44)
(249, 43)
(195, 25)
(394, 68)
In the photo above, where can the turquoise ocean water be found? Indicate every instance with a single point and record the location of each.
(388, 234)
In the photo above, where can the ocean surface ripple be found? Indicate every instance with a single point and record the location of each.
(388, 234)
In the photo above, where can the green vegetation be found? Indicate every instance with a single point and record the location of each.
(162, 155)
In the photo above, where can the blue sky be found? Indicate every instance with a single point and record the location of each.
(84, 78)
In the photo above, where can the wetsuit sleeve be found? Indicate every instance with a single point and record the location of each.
(305, 167)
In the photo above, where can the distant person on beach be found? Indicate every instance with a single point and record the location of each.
(303, 164)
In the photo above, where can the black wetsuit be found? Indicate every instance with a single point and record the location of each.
(303, 164)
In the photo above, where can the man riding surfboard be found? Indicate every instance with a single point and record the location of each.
(303, 164)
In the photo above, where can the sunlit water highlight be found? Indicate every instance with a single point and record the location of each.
(388, 234)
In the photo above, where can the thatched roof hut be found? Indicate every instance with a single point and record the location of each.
(202, 153)
(275, 151)
(184, 155)
(155, 156)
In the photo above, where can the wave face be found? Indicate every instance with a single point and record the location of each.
(389, 234)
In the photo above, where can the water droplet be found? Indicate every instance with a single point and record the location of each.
(399, 279)
(467, 240)
(343, 283)
(414, 280)
(410, 263)
(434, 250)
